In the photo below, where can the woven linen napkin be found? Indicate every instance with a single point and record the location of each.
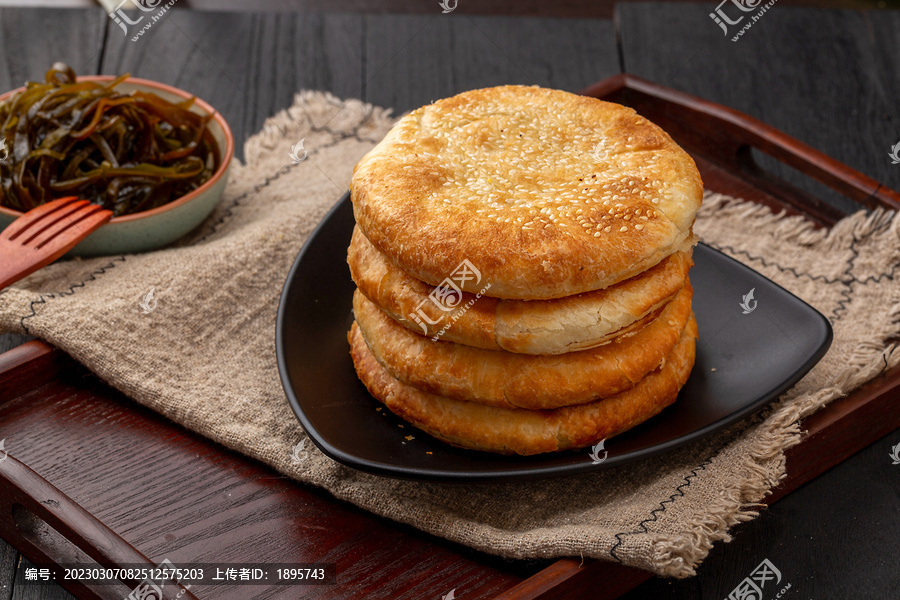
(205, 355)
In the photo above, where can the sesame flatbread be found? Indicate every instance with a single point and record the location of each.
(526, 432)
(546, 193)
(508, 380)
(555, 326)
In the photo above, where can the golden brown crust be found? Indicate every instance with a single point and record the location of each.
(548, 194)
(526, 432)
(508, 380)
(523, 326)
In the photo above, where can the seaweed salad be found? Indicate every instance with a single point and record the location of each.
(126, 152)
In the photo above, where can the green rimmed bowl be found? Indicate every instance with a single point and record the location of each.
(151, 229)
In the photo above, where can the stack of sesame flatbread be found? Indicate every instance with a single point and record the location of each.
(521, 259)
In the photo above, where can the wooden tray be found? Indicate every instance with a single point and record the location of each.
(93, 477)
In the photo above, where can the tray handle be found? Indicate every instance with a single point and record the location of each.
(50, 528)
(725, 136)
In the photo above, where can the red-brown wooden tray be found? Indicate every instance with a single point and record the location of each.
(93, 477)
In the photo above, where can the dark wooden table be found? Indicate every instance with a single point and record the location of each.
(830, 78)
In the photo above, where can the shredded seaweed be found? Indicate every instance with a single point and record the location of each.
(126, 152)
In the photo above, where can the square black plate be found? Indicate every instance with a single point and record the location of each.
(743, 362)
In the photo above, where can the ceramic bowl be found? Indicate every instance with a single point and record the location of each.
(157, 227)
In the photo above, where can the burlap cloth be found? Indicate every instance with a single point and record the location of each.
(205, 357)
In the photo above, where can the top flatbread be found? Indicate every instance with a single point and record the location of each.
(546, 193)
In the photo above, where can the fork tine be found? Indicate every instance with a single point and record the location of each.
(71, 226)
(52, 220)
(51, 241)
(58, 230)
(36, 216)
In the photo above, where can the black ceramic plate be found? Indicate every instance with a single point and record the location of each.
(743, 362)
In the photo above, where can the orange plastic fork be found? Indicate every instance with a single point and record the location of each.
(45, 233)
